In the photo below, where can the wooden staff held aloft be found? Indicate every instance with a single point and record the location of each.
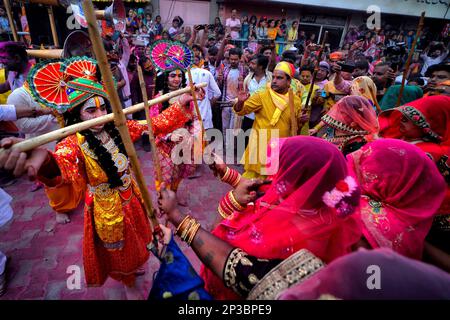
(294, 125)
(119, 117)
(51, 17)
(316, 69)
(197, 110)
(11, 20)
(408, 62)
(32, 143)
(151, 136)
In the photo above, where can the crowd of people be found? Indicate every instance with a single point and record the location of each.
(355, 165)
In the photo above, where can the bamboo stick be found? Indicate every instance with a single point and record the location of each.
(46, 53)
(30, 144)
(11, 20)
(119, 117)
(151, 137)
(51, 17)
(294, 126)
(408, 61)
(192, 87)
(316, 69)
(197, 110)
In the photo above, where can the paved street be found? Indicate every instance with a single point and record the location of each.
(42, 250)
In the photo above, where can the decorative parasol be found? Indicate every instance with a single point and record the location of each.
(169, 55)
(47, 85)
(80, 67)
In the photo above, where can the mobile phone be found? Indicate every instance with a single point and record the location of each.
(346, 67)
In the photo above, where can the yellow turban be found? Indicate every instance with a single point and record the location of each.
(287, 68)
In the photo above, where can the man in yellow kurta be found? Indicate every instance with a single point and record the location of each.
(272, 118)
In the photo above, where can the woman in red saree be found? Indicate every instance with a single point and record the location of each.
(351, 123)
(292, 214)
(401, 192)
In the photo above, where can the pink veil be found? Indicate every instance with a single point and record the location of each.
(292, 215)
(401, 192)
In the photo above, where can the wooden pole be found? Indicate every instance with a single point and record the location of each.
(192, 87)
(51, 17)
(151, 137)
(11, 20)
(58, 134)
(202, 130)
(45, 53)
(119, 117)
(408, 62)
(316, 69)
(294, 126)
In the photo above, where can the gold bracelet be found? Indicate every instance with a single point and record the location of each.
(222, 213)
(234, 185)
(194, 233)
(189, 231)
(234, 202)
(225, 176)
(181, 224)
(183, 234)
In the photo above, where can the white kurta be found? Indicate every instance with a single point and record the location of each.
(32, 127)
(212, 91)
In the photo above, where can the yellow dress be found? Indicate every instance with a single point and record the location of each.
(254, 159)
(3, 96)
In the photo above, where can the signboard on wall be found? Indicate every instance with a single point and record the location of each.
(192, 11)
(433, 8)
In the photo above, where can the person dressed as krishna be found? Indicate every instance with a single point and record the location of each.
(172, 172)
(94, 162)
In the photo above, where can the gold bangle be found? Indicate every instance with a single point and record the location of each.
(234, 202)
(189, 232)
(185, 230)
(222, 213)
(225, 176)
(238, 179)
(193, 233)
(181, 223)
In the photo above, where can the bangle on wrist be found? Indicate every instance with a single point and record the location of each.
(234, 202)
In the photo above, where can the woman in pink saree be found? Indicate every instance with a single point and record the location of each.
(401, 192)
(292, 214)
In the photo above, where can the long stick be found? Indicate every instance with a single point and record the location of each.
(51, 17)
(58, 134)
(202, 130)
(294, 127)
(408, 62)
(151, 136)
(316, 69)
(192, 87)
(11, 20)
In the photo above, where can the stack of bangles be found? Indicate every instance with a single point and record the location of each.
(187, 229)
(228, 205)
(232, 177)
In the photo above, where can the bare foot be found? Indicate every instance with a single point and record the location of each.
(62, 218)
